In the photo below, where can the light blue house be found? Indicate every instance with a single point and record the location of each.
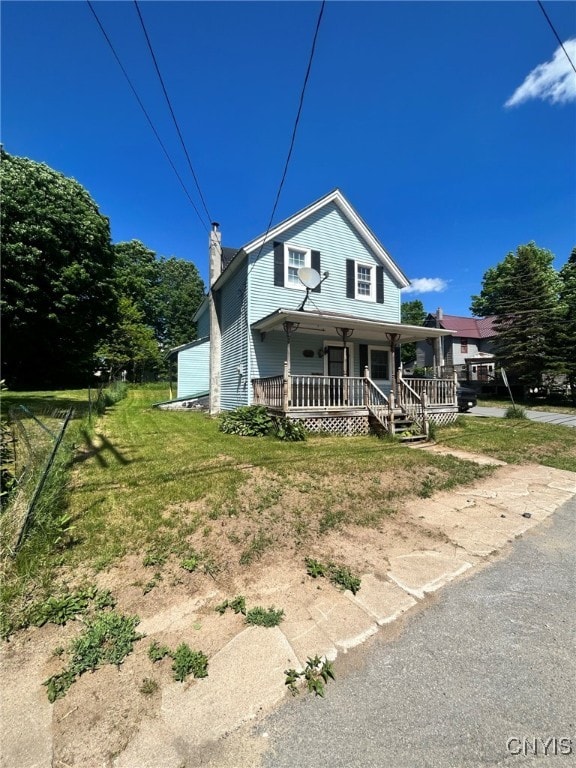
(306, 320)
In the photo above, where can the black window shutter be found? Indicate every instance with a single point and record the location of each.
(350, 278)
(315, 264)
(279, 264)
(363, 357)
(380, 285)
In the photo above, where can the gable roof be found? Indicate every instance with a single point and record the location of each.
(348, 212)
(466, 327)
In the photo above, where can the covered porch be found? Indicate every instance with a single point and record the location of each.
(360, 388)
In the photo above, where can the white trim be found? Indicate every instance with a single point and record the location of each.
(307, 253)
(338, 199)
(372, 295)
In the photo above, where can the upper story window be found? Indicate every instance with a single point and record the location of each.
(364, 282)
(296, 258)
(288, 259)
(464, 345)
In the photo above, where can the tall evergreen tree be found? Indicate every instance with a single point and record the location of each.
(523, 292)
(567, 334)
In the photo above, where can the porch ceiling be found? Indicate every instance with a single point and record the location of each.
(327, 322)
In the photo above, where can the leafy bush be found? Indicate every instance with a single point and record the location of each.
(110, 395)
(247, 421)
(60, 609)
(291, 431)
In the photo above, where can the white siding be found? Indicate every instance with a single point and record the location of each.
(193, 363)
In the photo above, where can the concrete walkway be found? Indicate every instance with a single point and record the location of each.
(546, 417)
(246, 676)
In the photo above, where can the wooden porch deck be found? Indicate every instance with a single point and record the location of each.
(353, 402)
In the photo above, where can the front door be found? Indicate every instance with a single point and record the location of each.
(336, 358)
(338, 366)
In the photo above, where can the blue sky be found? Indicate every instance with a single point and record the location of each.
(405, 112)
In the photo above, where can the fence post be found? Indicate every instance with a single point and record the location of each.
(425, 423)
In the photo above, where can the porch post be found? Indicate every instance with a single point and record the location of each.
(286, 388)
(455, 395)
(393, 339)
(366, 385)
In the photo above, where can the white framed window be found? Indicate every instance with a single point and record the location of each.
(294, 259)
(365, 283)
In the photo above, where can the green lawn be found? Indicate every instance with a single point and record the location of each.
(169, 484)
(533, 405)
(515, 441)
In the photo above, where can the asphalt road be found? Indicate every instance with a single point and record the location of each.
(563, 419)
(485, 676)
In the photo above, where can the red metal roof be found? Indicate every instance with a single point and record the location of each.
(469, 327)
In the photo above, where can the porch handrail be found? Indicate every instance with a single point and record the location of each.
(377, 402)
(413, 403)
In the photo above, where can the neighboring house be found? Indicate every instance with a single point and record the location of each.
(323, 353)
(467, 351)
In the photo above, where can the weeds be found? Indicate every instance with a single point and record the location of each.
(149, 686)
(157, 652)
(256, 616)
(237, 604)
(515, 412)
(254, 551)
(107, 639)
(264, 618)
(186, 662)
(315, 675)
(337, 574)
(63, 608)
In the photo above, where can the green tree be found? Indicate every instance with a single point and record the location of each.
(493, 285)
(412, 313)
(567, 333)
(130, 344)
(523, 293)
(57, 296)
(137, 277)
(180, 293)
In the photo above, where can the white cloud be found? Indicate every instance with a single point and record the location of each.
(426, 285)
(553, 81)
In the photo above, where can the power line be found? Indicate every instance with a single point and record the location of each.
(318, 22)
(148, 118)
(557, 35)
(178, 131)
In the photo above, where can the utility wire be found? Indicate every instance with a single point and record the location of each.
(557, 35)
(178, 131)
(148, 118)
(294, 129)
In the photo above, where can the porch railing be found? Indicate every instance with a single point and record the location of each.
(269, 391)
(310, 392)
(438, 391)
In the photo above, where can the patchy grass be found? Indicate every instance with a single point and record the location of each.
(514, 441)
(167, 484)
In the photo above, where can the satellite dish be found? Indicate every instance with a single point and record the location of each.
(309, 277)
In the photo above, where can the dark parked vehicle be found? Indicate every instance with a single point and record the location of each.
(467, 398)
